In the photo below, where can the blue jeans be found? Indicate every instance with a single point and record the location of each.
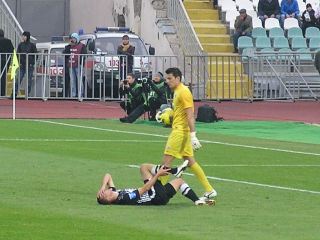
(76, 82)
(22, 73)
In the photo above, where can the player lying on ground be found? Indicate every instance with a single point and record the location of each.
(151, 193)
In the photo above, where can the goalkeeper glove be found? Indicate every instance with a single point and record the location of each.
(194, 141)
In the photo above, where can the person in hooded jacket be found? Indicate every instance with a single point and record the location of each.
(26, 48)
(6, 49)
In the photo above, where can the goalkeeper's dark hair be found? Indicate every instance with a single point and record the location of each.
(131, 75)
(175, 72)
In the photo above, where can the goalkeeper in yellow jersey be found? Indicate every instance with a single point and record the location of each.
(182, 140)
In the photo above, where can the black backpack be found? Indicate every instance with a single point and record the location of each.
(207, 114)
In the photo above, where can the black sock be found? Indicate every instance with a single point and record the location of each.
(188, 192)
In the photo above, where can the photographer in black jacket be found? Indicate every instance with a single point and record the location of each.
(132, 93)
(157, 95)
(154, 92)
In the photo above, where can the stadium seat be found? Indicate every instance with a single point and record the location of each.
(290, 23)
(285, 53)
(256, 22)
(244, 42)
(294, 32)
(262, 42)
(258, 32)
(252, 13)
(276, 32)
(298, 42)
(231, 15)
(304, 54)
(228, 6)
(268, 53)
(314, 43)
(271, 23)
(302, 5)
(280, 42)
(312, 32)
(247, 53)
(248, 5)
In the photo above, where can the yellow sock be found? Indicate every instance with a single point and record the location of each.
(164, 179)
(197, 170)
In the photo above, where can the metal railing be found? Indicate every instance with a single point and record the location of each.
(94, 77)
(282, 75)
(189, 44)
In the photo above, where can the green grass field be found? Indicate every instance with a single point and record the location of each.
(268, 184)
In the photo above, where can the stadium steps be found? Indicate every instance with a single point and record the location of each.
(214, 38)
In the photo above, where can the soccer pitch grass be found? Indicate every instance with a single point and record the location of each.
(50, 173)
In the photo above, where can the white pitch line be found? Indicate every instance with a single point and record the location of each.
(165, 136)
(249, 183)
(76, 140)
(262, 165)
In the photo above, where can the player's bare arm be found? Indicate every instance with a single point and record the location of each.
(107, 182)
(146, 187)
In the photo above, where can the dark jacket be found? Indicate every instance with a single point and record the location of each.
(313, 19)
(243, 25)
(23, 49)
(159, 90)
(5, 47)
(129, 53)
(266, 8)
(72, 60)
(135, 94)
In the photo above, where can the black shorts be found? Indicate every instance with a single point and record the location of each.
(163, 193)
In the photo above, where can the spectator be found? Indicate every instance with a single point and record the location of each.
(242, 26)
(6, 49)
(26, 47)
(289, 9)
(133, 94)
(76, 63)
(126, 63)
(67, 90)
(308, 18)
(268, 9)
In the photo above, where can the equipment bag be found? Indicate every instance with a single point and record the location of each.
(207, 114)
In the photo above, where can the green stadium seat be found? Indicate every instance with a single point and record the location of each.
(312, 32)
(298, 42)
(263, 42)
(276, 32)
(268, 52)
(294, 32)
(314, 43)
(280, 42)
(258, 32)
(244, 42)
(304, 54)
(247, 53)
(285, 53)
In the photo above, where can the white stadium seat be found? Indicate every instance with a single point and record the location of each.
(256, 22)
(271, 23)
(290, 23)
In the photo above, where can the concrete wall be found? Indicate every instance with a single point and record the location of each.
(140, 17)
(43, 18)
(88, 14)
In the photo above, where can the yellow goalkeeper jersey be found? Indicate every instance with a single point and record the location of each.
(182, 100)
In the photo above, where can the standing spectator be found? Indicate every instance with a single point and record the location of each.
(26, 48)
(126, 63)
(76, 63)
(66, 51)
(6, 49)
(242, 26)
(268, 9)
(308, 18)
(289, 9)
